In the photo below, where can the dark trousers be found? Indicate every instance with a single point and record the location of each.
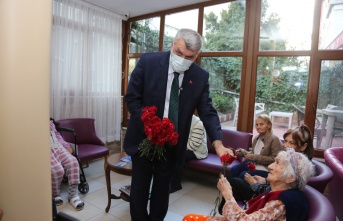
(241, 190)
(241, 169)
(144, 172)
(179, 166)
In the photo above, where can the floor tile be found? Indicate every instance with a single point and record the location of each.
(197, 195)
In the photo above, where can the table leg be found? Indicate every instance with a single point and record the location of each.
(108, 185)
(329, 132)
(110, 196)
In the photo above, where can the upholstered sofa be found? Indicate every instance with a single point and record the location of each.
(334, 159)
(212, 164)
(320, 207)
(322, 178)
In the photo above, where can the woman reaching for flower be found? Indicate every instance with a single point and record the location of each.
(287, 176)
(300, 139)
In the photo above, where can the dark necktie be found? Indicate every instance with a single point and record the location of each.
(174, 101)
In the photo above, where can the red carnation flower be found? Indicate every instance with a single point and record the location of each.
(251, 166)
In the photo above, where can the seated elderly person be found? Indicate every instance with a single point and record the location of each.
(299, 138)
(287, 176)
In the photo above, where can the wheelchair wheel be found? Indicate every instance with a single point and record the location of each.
(83, 188)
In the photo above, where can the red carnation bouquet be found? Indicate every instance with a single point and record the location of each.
(159, 133)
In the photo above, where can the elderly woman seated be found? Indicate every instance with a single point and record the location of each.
(299, 138)
(287, 176)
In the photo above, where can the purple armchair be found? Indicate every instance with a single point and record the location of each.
(320, 207)
(89, 146)
(322, 178)
(212, 164)
(334, 159)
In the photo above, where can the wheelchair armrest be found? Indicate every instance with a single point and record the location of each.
(66, 129)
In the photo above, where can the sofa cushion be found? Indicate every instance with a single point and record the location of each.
(212, 164)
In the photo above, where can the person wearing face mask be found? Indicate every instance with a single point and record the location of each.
(151, 84)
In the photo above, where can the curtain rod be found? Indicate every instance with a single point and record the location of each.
(124, 15)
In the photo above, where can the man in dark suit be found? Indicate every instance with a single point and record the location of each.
(150, 85)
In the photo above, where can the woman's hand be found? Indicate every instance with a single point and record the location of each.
(249, 179)
(260, 179)
(238, 152)
(249, 156)
(70, 150)
(224, 187)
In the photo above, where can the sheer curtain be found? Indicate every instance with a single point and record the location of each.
(86, 65)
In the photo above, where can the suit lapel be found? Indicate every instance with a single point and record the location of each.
(186, 92)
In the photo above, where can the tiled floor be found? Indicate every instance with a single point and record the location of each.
(197, 196)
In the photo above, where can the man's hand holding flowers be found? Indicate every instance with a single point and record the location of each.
(220, 149)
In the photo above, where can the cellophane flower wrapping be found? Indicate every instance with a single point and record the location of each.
(159, 133)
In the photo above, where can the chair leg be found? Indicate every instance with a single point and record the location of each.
(319, 139)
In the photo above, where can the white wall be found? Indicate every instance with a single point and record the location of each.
(25, 186)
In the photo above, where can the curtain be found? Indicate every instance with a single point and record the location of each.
(86, 66)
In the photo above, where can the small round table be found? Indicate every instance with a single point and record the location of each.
(124, 170)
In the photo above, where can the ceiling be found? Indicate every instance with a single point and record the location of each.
(133, 8)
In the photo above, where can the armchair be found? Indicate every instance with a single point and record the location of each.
(320, 207)
(323, 177)
(334, 159)
(88, 146)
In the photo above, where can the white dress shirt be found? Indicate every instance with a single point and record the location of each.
(169, 83)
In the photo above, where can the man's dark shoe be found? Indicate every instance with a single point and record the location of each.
(174, 189)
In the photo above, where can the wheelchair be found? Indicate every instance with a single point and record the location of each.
(83, 187)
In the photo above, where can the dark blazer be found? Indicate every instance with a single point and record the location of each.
(147, 87)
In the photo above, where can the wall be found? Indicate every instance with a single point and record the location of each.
(25, 186)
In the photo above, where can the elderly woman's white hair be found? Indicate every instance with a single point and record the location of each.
(297, 165)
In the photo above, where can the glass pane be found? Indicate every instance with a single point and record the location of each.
(281, 85)
(174, 22)
(224, 27)
(145, 35)
(331, 25)
(132, 64)
(286, 25)
(225, 81)
(330, 104)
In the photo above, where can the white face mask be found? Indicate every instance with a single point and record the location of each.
(178, 63)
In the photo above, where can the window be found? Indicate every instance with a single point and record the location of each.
(176, 21)
(224, 27)
(144, 35)
(263, 51)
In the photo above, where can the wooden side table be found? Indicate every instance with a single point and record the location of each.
(124, 170)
